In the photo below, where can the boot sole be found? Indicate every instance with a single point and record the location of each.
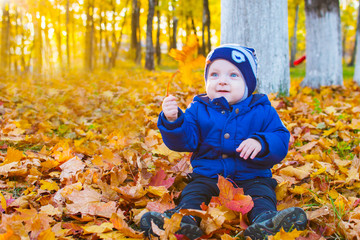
(288, 219)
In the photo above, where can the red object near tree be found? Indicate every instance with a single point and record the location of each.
(300, 60)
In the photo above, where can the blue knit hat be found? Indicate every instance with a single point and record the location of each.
(242, 57)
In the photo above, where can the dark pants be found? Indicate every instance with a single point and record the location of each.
(201, 189)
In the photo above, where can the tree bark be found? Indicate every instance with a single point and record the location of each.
(149, 57)
(175, 21)
(59, 33)
(261, 25)
(323, 44)
(135, 31)
(67, 34)
(294, 38)
(357, 64)
(157, 48)
(89, 37)
(5, 36)
(206, 25)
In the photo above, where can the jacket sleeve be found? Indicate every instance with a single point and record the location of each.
(274, 139)
(182, 135)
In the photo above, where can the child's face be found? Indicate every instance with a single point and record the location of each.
(225, 80)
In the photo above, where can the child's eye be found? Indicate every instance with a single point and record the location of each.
(234, 75)
(214, 74)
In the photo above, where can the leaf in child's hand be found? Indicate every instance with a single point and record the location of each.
(171, 79)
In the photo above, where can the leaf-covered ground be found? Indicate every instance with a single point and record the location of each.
(81, 157)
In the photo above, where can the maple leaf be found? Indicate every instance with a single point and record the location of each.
(234, 198)
(47, 235)
(70, 168)
(281, 235)
(122, 226)
(13, 155)
(159, 179)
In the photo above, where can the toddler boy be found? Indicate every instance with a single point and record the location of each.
(231, 132)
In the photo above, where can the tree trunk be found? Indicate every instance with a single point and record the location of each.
(37, 44)
(323, 44)
(353, 54)
(149, 57)
(261, 25)
(206, 24)
(5, 36)
(294, 38)
(59, 33)
(118, 42)
(135, 31)
(89, 36)
(67, 33)
(174, 32)
(157, 48)
(357, 64)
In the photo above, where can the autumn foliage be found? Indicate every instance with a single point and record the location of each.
(82, 158)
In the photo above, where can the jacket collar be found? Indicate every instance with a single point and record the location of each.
(222, 104)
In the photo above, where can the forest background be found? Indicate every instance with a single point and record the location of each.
(81, 156)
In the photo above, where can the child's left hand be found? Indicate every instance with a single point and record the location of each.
(250, 147)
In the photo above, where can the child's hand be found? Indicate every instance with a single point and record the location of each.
(170, 108)
(250, 147)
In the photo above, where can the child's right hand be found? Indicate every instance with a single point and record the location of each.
(170, 108)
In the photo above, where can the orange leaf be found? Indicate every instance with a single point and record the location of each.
(13, 155)
(122, 226)
(9, 235)
(47, 235)
(234, 198)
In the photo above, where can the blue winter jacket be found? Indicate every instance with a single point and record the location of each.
(212, 130)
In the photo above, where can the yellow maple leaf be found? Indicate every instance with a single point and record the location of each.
(281, 235)
(13, 155)
(104, 227)
(49, 185)
(47, 235)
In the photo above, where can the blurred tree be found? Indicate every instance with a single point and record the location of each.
(357, 65)
(158, 48)
(248, 23)
(323, 44)
(354, 50)
(149, 56)
(89, 35)
(135, 31)
(67, 23)
(293, 40)
(5, 36)
(206, 47)
(348, 27)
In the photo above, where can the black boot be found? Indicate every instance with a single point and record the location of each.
(188, 226)
(269, 223)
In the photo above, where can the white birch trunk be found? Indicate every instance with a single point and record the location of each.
(261, 25)
(323, 44)
(357, 63)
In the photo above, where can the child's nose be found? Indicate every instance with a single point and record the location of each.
(223, 81)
